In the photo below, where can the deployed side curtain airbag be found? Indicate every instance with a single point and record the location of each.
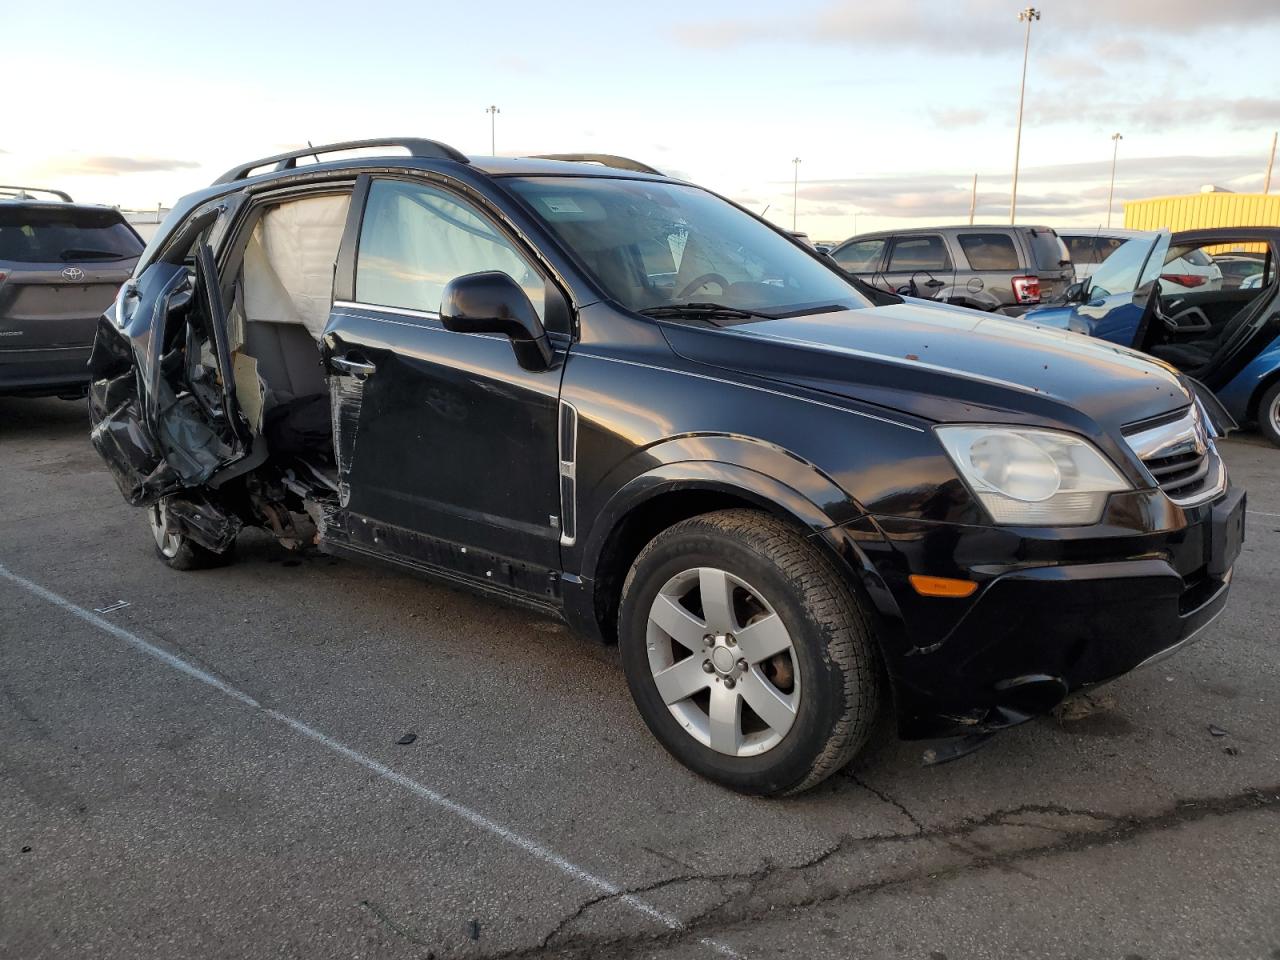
(288, 264)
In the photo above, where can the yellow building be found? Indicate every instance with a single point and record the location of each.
(1209, 208)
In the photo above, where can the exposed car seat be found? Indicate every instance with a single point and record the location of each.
(1194, 355)
(283, 302)
(288, 359)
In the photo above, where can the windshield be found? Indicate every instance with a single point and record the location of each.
(43, 235)
(652, 245)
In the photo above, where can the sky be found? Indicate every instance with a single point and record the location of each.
(890, 106)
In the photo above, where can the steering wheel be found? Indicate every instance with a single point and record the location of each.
(688, 288)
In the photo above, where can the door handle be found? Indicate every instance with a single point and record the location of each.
(934, 283)
(352, 368)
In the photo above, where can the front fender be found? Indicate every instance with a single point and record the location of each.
(752, 469)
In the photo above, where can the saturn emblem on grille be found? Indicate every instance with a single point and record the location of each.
(72, 274)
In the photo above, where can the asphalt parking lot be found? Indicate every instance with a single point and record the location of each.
(212, 770)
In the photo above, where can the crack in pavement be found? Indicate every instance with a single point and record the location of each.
(723, 918)
(400, 929)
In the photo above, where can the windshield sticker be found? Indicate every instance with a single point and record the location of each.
(561, 205)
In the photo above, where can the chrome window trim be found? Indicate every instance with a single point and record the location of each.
(402, 311)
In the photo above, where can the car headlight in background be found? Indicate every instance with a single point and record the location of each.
(1033, 477)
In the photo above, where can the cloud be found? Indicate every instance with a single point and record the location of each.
(972, 27)
(1161, 114)
(1056, 191)
(951, 118)
(96, 165)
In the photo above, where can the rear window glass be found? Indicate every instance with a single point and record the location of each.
(30, 235)
(1050, 252)
(918, 253)
(989, 251)
(1197, 257)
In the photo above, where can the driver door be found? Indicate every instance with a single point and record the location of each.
(1119, 290)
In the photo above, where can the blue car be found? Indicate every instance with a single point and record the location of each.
(1227, 340)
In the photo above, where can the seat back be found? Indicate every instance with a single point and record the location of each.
(288, 359)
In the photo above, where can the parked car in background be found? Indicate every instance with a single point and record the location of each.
(61, 264)
(1240, 269)
(985, 267)
(626, 402)
(1227, 339)
(1185, 269)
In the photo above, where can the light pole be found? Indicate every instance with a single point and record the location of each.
(1115, 139)
(1029, 14)
(795, 192)
(493, 112)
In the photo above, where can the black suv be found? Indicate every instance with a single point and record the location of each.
(619, 399)
(988, 267)
(61, 264)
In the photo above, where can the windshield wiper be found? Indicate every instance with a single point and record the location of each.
(711, 311)
(85, 253)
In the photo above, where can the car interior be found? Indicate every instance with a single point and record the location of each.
(1194, 330)
(278, 304)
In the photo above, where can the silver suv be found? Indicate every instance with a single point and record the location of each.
(995, 268)
(61, 264)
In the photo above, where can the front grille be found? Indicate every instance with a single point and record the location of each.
(1180, 455)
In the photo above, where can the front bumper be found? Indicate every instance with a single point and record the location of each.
(1041, 626)
(49, 371)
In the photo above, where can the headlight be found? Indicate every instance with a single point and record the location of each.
(1032, 477)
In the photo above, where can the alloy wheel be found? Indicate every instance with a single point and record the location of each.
(723, 662)
(167, 541)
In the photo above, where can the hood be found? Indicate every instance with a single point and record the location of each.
(946, 364)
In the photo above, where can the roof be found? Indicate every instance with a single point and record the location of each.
(541, 166)
(1226, 234)
(56, 206)
(432, 154)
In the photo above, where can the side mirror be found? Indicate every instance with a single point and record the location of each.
(1074, 293)
(492, 302)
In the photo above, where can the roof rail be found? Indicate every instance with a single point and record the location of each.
(24, 193)
(287, 161)
(605, 159)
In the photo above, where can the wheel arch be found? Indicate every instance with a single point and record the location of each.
(667, 494)
(1265, 384)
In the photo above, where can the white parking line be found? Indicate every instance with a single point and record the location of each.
(1259, 513)
(530, 846)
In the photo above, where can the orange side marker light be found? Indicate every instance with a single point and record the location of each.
(941, 586)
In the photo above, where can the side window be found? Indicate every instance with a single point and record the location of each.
(862, 256)
(918, 253)
(1081, 249)
(415, 238)
(989, 251)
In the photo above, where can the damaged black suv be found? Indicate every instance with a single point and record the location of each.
(577, 384)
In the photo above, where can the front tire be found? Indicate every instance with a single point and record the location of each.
(748, 654)
(176, 550)
(1269, 414)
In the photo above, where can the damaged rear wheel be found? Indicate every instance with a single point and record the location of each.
(176, 549)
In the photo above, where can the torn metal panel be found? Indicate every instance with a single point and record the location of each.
(203, 521)
(347, 397)
(135, 463)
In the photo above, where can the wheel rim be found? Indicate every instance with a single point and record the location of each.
(1274, 414)
(167, 541)
(723, 662)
